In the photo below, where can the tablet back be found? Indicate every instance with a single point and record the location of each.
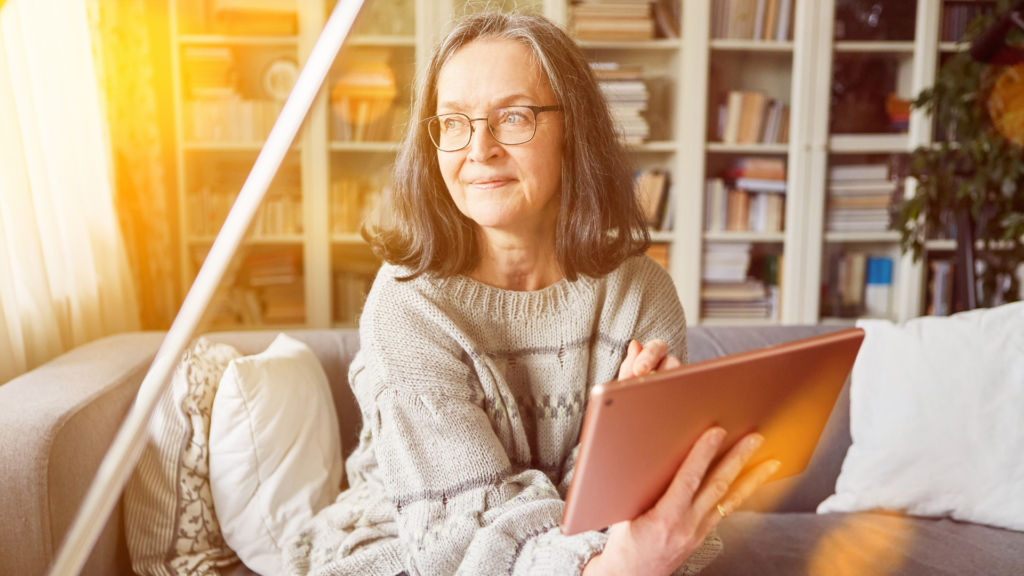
(636, 433)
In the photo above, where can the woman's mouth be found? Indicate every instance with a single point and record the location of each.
(490, 184)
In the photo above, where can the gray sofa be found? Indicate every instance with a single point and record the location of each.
(57, 421)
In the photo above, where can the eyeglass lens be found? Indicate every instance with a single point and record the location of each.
(512, 125)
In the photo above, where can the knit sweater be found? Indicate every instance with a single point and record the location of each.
(472, 400)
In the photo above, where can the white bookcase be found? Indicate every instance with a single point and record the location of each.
(797, 71)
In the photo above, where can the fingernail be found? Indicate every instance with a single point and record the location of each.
(717, 437)
(756, 441)
(774, 467)
(641, 367)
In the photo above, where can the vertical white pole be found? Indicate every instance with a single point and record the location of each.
(120, 460)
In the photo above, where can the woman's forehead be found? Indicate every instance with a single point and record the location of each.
(491, 72)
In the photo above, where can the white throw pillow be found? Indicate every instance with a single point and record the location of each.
(937, 419)
(275, 450)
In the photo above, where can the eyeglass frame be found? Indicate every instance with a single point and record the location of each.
(472, 128)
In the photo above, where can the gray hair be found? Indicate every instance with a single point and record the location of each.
(599, 222)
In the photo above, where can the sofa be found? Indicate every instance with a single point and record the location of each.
(57, 421)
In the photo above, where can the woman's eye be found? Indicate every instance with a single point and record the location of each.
(514, 118)
(451, 124)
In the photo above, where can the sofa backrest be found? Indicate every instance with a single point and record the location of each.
(801, 493)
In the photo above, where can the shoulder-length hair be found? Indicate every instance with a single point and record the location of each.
(599, 221)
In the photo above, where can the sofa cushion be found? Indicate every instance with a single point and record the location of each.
(170, 523)
(275, 455)
(936, 419)
(864, 543)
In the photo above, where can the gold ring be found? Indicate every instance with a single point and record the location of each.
(721, 510)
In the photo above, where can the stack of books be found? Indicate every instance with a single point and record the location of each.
(363, 99)
(630, 20)
(254, 17)
(958, 15)
(753, 118)
(354, 202)
(750, 300)
(751, 198)
(209, 71)
(275, 278)
(627, 95)
(859, 198)
(752, 19)
(657, 198)
(726, 262)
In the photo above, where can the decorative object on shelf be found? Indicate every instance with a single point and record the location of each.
(279, 78)
(888, 20)
(861, 85)
(1006, 104)
(976, 175)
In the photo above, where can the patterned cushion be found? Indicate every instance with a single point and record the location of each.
(170, 523)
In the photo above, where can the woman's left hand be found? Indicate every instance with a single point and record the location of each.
(644, 359)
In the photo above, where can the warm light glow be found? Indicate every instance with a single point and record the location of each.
(862, 544)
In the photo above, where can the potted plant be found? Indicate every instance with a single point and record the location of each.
(974, 175)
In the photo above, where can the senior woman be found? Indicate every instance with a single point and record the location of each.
(514, 281)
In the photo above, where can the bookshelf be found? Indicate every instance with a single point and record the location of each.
(685, 78)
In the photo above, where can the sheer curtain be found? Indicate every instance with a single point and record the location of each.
(64, 277)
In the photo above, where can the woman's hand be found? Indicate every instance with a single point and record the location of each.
(641, 360)
(661, 539)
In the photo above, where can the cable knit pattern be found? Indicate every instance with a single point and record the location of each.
(472, 400)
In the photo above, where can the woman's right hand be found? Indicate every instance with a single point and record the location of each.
(661, 539)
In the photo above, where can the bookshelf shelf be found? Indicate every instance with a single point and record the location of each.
(350, 238)
(664, 146)
(252, 240)
(337, 146)
(383, 41)
(660, 44)
(859, 46)
(724, 148)
(229, 40)
(953, 47)
(862, 237)
(759, 237)
(229, 146)
(660, 237)
(724, 44)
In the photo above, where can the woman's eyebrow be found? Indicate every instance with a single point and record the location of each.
(458, 105)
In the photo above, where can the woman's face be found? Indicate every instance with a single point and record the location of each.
(513, 188)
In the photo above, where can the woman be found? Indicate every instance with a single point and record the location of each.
(515, 282)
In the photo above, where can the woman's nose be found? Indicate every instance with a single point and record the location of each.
(482, 145)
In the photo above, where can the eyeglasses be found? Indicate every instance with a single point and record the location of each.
(510, 126)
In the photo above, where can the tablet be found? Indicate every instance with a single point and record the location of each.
(637, 432)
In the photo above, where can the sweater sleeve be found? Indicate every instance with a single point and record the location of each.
(463, 505)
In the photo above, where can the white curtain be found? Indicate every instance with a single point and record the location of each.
(64, 276)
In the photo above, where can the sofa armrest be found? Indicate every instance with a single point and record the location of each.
(56, 424)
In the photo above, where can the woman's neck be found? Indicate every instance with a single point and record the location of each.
(520, 262)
